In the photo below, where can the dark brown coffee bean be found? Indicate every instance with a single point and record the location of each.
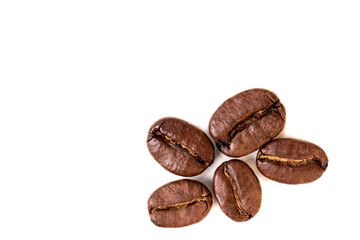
(237, 190)
(247, 121)
(291, 161)
(179, 203)
(180, 147)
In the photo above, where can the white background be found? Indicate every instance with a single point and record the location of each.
(82, 81)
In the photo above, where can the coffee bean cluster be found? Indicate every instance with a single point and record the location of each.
(244, 123)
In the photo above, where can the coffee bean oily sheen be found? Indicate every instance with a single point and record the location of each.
(237, 190)
(246, 121)
(180, 147)
(179, 203)
(291, 161)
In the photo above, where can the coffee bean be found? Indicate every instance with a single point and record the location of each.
(246, 121)
(180, 147)
(179, 203)
(291, 161)
(237, 190)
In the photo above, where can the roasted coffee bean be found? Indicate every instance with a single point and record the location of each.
(237, 190)
(291, 161)
(180, 147)
(246, 121)
(179, 203)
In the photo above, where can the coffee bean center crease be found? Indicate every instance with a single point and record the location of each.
(180, 145)
(290, 161)
(239, 206)
(176, 206)
(241, 126)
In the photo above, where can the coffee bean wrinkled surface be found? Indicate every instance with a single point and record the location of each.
(237, 190)
(179, 203)
(246, 121)
(291, 161)
(180, 147)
